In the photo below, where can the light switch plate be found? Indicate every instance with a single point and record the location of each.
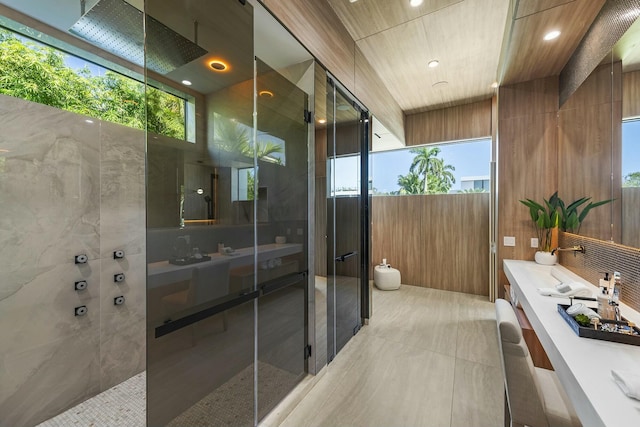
(534, 242)
(509, 241)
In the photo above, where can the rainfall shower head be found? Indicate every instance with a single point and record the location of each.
(117, 27)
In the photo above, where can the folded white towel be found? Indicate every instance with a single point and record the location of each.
(628, 381)
(571, 289)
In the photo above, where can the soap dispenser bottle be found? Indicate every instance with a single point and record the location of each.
(604, 310)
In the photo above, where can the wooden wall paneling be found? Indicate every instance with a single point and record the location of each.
(630, 94)
(321, 151)
(407, 229)
(595, 90)
(436, 236)
(584, 169)
(319, 29)
(457, 238)
(470, 223)
(630, 226)
(531, 97)
(436, 241)
(320, 240)
(527, 160)
(320, 143)
(384, 215)
(589, 130)
(616, 171)
(449, 124)
(373, 93)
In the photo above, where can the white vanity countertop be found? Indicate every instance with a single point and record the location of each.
(583, 365)
(162, 272)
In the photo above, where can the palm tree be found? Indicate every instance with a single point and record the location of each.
(422, 162)
(436, 176)
(410, 183)
(264, 150)
(441, 179)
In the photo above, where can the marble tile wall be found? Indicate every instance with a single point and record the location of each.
(67, 186)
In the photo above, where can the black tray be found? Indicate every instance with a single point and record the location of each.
(586, 332)
(190, 260)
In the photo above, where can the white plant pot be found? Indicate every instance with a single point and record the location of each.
(545, 258)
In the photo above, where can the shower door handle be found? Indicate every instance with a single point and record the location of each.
(343, 257)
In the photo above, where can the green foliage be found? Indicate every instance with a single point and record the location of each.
(251, 182)
(545, 218)
(632, 180)
(231, 136)
(428, 174)
(571, 218)
(38, 73)
(410, 183)
(554, 213)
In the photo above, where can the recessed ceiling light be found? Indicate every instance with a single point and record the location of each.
(186, 82)
(218, 65)
(494, 85)
(552, 35)
(322, 121)
(416, 3)
(434, 63)
(440, 84)
(266, 93)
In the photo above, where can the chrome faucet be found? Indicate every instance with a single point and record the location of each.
(574, 249)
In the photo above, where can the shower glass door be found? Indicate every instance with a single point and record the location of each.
(346, 219)
(281, 189)
(201, 216)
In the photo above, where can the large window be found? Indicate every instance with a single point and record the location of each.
(41, 73)
(460, 167)
(631, 153)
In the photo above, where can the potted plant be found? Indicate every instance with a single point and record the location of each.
(545, 218)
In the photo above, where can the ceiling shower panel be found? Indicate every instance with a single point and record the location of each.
(117, 27)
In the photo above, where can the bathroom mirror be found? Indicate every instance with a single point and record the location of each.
(599, 144)
(628, 50)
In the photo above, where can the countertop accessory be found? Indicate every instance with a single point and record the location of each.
(602, 333)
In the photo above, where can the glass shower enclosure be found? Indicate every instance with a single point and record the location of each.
(227, 225)
(154, 160)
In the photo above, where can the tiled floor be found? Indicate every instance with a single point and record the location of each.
(122, 405)
(427, 358)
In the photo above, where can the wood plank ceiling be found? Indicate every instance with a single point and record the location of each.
(476, 42)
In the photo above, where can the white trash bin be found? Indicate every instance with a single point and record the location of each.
(386, 278)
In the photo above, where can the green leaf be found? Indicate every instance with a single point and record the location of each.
(590, 206)
(573, 222)
(574, 205)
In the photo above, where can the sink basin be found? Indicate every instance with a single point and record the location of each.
(542, 276)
